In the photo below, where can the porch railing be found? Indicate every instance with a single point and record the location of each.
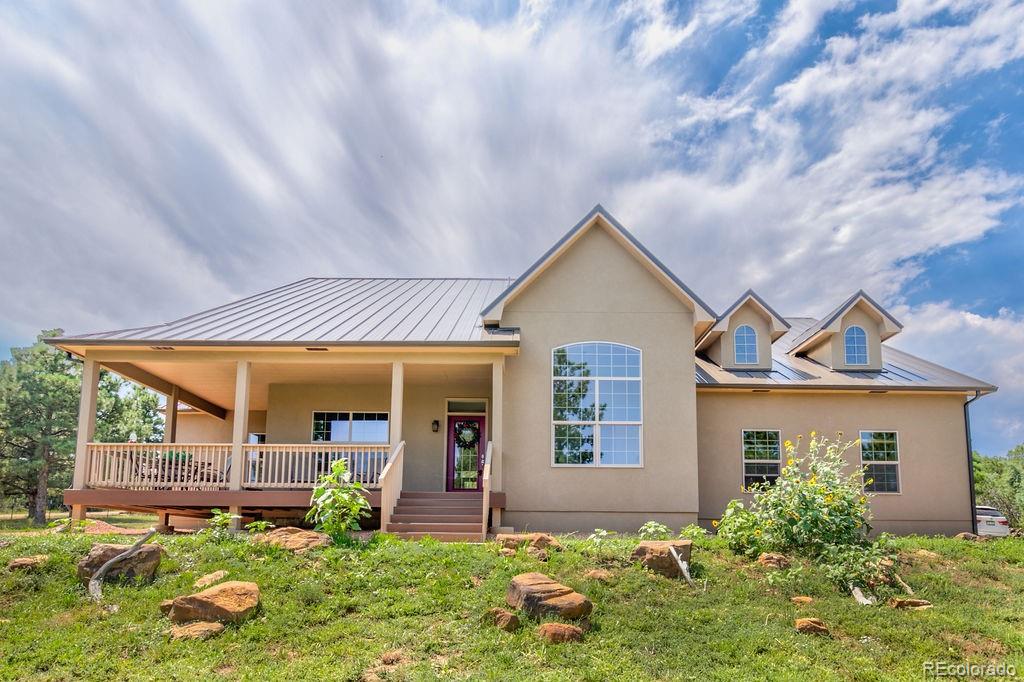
(299, 466)
(391, 484)
(158, 466)
(487, 487)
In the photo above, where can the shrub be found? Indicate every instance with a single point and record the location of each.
(261, 526)
(219, 525)
(692, 532)
(338, 503)
(652, 530)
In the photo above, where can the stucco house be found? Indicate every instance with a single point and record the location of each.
(595, 390)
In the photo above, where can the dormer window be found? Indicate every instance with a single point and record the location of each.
(745, 344)
(856, 343)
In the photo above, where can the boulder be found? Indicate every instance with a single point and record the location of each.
(165, 606)
(538, 554)
(811, 626)
(907, 603)
(141, 565)
(772, 560)
(557, 633)
(296, 540)
(200, 630)
(209, 579)
(507, 552)
(27, 563)
(926, 554)
(538, 540)
(655, 555)
(502, 619)
(801, 600)
(966, 536)
(228, 602)
(599, 574)
(539, 595)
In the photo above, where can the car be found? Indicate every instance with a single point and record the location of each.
(991, 521)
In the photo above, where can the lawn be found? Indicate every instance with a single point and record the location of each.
(389, 609)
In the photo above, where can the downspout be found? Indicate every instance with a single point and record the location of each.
(970, 461)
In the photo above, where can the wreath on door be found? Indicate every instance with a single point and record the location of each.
(467, 434)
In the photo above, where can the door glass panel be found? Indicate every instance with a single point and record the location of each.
(467, 458)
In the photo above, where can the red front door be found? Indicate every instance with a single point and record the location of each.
(465, 453)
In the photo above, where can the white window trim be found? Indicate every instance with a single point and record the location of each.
(596, 424)
(743, 460)
(867, 348)
(312, 424)
(735, 357)
(899, 458)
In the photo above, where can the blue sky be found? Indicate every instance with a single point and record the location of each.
(156, 158)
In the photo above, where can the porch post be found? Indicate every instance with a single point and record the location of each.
(86, 430)
(171, 416)
(497, 426)
(397, 396)
(240, 430)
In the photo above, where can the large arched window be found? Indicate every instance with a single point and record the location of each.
(856, 343)
(596, 405)
(745, 345)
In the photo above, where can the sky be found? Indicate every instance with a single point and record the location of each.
(157, 158)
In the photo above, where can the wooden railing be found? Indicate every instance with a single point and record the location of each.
(487, 488)
(158, 466)
(391, 484)
(299, 466)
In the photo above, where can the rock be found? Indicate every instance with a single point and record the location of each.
(538, 540)
(772, 560)
(293, 539)
(538, 554)
(907, 603)
(209, 579)
(141, 565)
(200, 630)
(599, 574)
(507, 552)
(801, 601)
(228, 602)
(502, 619)
(655, 555)
(27, 563)
(539, 595)
(165, 606)
(926, 554)
(966, 536)
(557, 633)
(811, 626)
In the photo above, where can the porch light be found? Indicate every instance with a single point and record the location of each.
(435, 426)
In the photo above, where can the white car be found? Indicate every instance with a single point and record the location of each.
(992, 522)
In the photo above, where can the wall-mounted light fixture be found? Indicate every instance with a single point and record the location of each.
(435, 426)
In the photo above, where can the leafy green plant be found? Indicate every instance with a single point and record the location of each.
(600, 535)
(260, 526)
(338, 503)
(219, 525)
(692, 532)
(652, 530)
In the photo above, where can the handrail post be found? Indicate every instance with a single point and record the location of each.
(486, 489)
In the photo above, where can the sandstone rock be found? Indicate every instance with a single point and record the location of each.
(926, 554)
(907, 603)
(209, 579)
(228, 602)
(142, 565)
(165, 606)
(502, 619)
(811, 626)
(507, 552)
(772, 560)
(599, 574)
(538, 554)
(539, 595)
(27, 563)
(557, 633)
(801, 600)
(538, 540)
(200, 630)
(655, 555)
(293, 539)
(966, 536)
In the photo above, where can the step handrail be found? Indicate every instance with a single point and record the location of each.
(390, 483)
(486, 489)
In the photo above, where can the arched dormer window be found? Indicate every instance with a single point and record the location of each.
(745, 345)
(856, 344)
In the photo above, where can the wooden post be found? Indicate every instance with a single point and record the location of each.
(171, 416)
(86, 431)
(497, 426)
(240, 430)
(397, 396)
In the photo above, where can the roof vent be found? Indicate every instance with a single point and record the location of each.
(878, 391)
(761, 390)
(162, 347)
(317, 349)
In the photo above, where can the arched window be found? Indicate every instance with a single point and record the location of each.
(856, 342)
(596, 405)
(745, 345)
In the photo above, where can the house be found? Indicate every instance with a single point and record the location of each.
(595, 390)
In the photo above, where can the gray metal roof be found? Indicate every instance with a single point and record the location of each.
(818, 325)
(900, 371)
(334, 310)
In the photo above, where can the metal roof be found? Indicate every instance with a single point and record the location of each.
(334, 310)
(900, 371)
(818, 325)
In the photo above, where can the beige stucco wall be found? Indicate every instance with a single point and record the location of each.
(722, 351)
(198, 427)
(832, 353)
(598, 292)
(934, 496)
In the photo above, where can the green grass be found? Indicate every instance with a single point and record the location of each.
(10, 521)
(334, 614)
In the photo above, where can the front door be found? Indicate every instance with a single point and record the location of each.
(465, 452)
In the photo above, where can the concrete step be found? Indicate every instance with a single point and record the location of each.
(436, 518)
(444, 537)
(435, 527)
(420, 509)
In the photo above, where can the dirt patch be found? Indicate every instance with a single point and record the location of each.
(977, 646)
(104, 528)
(389, 660)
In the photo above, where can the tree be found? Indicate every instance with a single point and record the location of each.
(40, 389)
(999, 483)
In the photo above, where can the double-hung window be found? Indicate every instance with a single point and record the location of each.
(761, 457)
(596, 406)
(350, 427)
(880, 455)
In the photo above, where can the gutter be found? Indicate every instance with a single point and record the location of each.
(970, 461)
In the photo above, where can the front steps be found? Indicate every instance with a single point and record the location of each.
(449, 517)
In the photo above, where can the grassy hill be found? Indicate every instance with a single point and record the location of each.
(412, 610)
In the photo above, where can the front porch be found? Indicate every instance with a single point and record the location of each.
(253, 436)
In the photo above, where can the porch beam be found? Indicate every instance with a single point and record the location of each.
(171, 415)
(292, 355)
(149, 380)
(240, 428)
(397, 399)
